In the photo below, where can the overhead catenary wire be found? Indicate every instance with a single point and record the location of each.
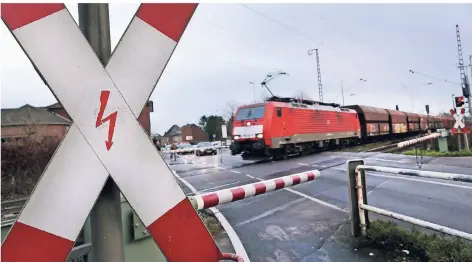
(433, 77)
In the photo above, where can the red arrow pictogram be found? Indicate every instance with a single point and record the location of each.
(112, 118)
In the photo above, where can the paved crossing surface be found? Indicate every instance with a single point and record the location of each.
(307, 222)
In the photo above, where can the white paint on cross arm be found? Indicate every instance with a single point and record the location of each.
(76, 88)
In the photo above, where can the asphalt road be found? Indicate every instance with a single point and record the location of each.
(302, 223)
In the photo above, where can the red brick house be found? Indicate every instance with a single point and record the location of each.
(48, 122)
(192, 133)
(144, 118)
(34, 123)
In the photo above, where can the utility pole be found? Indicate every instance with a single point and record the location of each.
(105, 218)
(342, 91)
(464, 81)
(318, 69)
(254, 90)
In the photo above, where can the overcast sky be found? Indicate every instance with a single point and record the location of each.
(226, 46)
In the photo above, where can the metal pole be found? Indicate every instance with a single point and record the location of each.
(453, 103)
(469, 100)
(105, 218)
(342, 91)
(360, 201)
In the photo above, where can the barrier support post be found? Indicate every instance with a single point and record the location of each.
(351, 176)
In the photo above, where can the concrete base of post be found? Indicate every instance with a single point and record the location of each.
(354, 203)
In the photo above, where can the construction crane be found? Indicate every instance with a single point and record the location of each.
(271, 76)
(320, 85)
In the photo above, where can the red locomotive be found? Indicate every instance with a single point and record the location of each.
(281, 127)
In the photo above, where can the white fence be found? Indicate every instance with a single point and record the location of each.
(359, 207)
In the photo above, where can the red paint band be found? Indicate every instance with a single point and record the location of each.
(19, 15)
(310, 176)
(182, 236)
(210, 200)
(26, 243)
(238, 193)
(296, 180)
(169, 19)
(260, 188)
(279, 183)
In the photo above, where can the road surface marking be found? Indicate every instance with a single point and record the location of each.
(270, 212)
(236, 172)
(412, 179)
(321, 202)
(215, 187)
(233, 237)
(386, 160)
(302, 164)
(319, 166)
(368, 193)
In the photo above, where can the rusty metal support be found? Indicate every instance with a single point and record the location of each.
(353, 196)
(360, 201)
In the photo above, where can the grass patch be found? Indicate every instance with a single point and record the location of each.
(212, 224)
(441, 154)
(419, 246)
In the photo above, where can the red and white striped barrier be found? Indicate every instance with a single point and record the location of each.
(224, 196)
(113, 96)
(417, 140)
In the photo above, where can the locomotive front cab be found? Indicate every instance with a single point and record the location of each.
(248, 130)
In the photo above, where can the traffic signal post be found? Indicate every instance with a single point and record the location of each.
(459, 109)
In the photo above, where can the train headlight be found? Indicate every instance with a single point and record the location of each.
(236, 137)
(260, 135)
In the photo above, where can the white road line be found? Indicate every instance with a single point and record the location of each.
(386, 160)
(215, 187)
(368, 193)
(321, 202)
(412, 179)
(236, 172)
(233, 237)
(302, 164)
(271, 211)
(318, 166)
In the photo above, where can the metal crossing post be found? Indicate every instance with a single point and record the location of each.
(105, 218)
(351, 176)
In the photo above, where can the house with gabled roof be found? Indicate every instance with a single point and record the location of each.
(32, 123)
(144, 118)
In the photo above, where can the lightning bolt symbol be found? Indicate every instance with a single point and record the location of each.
(112, 118)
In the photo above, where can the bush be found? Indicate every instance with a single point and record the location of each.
(389, 237)
(22, 166)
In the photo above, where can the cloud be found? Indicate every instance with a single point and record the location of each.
(228, 45)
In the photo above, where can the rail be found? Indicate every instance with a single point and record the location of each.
(359, 207)
(12, 207)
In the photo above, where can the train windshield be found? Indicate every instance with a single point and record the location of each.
(250, 113)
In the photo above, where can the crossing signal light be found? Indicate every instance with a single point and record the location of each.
(459, 101)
